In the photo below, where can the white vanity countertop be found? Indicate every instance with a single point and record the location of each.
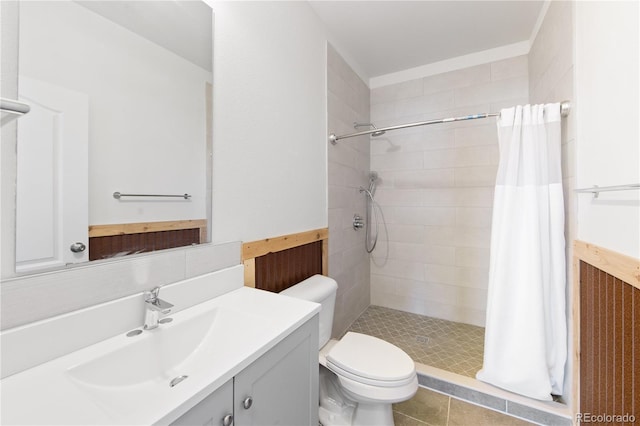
(249, 323)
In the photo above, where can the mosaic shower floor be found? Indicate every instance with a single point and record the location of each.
(448, 345)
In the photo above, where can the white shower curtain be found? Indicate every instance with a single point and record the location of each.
(525, 337)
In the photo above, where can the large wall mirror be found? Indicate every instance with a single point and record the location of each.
(121, 102)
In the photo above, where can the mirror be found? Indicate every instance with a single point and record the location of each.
(121, 102)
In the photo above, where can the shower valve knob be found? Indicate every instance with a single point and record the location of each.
(358, 223)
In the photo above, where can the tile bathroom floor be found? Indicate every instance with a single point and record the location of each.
(435, 409)
(447, 345)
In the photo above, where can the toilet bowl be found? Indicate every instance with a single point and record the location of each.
(360, 375)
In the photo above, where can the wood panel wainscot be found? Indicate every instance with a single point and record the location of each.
(606, 336)
(275, 264)
(107, 241)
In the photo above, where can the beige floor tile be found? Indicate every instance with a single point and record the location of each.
(402, 420)
(427, 406)
(464, 414)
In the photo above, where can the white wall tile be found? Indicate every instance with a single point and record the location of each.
(432, 102)
(440, 159)
(510, 68)
(395, 92)
(400, 269)
(475, 176)
(474, 217)
(445, 216)
(465, 77)
(407, 233)
(438, 210)
(348, 169)
(490, 92)
(472, 237)
(400, 197)
(396, 161)
(472, 257)
(436, 178)
(483, 134)
(477, 156)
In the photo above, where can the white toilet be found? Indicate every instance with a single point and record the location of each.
(360, 375)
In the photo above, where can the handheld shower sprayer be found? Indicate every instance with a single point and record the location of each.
(373, 178)
(371, 208)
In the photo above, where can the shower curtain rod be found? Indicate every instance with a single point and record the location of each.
(565, 107)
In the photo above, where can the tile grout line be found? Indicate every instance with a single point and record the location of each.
(412, 418)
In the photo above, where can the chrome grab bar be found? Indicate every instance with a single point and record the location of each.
(118, 195)
(596, 190)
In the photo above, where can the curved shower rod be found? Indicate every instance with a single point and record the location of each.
(565, 107)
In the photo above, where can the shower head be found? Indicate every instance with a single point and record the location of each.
(371, 125)
(373, 176)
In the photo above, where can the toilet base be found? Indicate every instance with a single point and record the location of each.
(338, 409)
(373, 414)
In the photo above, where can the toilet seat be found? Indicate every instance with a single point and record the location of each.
(369, 360)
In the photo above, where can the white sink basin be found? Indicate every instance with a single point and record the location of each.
(160, 355)
(126, 380)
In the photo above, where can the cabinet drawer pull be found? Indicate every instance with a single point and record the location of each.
(227, 420)
(248, 401)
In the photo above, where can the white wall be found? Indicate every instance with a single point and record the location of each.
(144, 101)
(608, 149)
(270, 125)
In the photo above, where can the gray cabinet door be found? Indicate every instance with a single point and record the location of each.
(281, 387)
(211, 411)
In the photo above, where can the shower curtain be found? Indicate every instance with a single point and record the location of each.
(525, 336)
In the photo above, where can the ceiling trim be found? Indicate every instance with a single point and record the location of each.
(539, 21)
(452, 64)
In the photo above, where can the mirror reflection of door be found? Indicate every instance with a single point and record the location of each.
(52, 180)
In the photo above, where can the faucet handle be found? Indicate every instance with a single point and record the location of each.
(152, 295)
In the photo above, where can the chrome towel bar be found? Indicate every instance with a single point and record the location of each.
(596, 190)
(118, 195)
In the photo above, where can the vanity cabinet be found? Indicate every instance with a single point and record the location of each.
(216, 409)
(279, 388)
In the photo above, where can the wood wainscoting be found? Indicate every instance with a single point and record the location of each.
(107, 241)
(606, 320)
(275, 264)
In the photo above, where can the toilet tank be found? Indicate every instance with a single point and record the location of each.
(319, 289)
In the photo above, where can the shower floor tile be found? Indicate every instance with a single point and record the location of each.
(448, 345)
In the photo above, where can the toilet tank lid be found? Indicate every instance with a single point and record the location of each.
(314, 289)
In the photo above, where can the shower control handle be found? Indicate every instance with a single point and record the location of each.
(358, 223)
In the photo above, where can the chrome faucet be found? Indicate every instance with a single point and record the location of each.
(154, 308)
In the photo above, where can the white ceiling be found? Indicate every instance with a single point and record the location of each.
(183, 27)
(390, 36)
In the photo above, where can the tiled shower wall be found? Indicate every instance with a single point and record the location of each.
(436, 189)
(348, 102)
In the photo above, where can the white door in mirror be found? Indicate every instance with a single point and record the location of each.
(52, 177)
